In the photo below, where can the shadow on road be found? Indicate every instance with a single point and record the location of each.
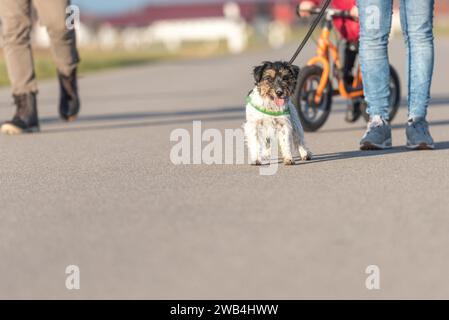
(393, 126)
(217, 114)
(140, 124)
(219, 110)
(155, 118)
(149, 114)
(200, 116)
(441, 101)
(363, 154)
(129, 97)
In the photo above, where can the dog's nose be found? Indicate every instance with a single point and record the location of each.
(279, 92)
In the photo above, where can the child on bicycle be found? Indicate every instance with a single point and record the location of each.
(349, 31)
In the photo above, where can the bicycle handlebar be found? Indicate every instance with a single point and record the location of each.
(330, 13)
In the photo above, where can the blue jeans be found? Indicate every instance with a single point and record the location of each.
(417, 28)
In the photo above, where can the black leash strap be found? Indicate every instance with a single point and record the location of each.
(309, 33)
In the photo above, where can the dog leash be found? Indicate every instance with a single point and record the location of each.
(309, 33)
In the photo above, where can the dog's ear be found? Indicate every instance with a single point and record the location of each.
(294, 70)
(258, 71)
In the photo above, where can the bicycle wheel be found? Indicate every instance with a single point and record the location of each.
(312, 115)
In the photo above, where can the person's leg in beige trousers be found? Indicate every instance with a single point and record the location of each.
(16, 25)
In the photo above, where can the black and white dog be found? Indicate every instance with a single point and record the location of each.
(271, 115)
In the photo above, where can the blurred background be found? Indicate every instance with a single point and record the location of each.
(105, 195)
(117, 33)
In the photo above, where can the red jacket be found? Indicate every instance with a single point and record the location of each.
(349, 29)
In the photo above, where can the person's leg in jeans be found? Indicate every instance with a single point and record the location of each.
(417, 27)
(52, 14)
(375, 26)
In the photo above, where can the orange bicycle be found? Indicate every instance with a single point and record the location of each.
(314, 88)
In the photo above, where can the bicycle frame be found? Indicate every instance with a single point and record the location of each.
(325, 46)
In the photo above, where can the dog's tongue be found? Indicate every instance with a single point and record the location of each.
(279, 102)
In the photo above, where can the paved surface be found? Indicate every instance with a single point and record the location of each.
(102, 193)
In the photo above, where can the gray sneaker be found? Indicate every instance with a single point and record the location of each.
(418, 135)
(377, 136)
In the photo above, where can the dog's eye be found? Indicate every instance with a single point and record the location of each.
(269, 79)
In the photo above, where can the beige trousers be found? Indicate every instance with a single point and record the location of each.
(16, 25)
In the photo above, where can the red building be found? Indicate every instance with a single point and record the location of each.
(248, 10)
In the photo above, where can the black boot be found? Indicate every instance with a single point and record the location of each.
(69, 103)
(25, 120)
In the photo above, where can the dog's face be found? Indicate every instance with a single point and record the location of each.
(276, 80)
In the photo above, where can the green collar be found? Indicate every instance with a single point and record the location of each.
(265, 111)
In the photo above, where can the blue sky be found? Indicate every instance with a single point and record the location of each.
(117, 6)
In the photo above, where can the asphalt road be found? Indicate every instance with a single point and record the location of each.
(102, 194)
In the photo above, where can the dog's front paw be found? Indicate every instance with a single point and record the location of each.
(305, 154)
(289, 162)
